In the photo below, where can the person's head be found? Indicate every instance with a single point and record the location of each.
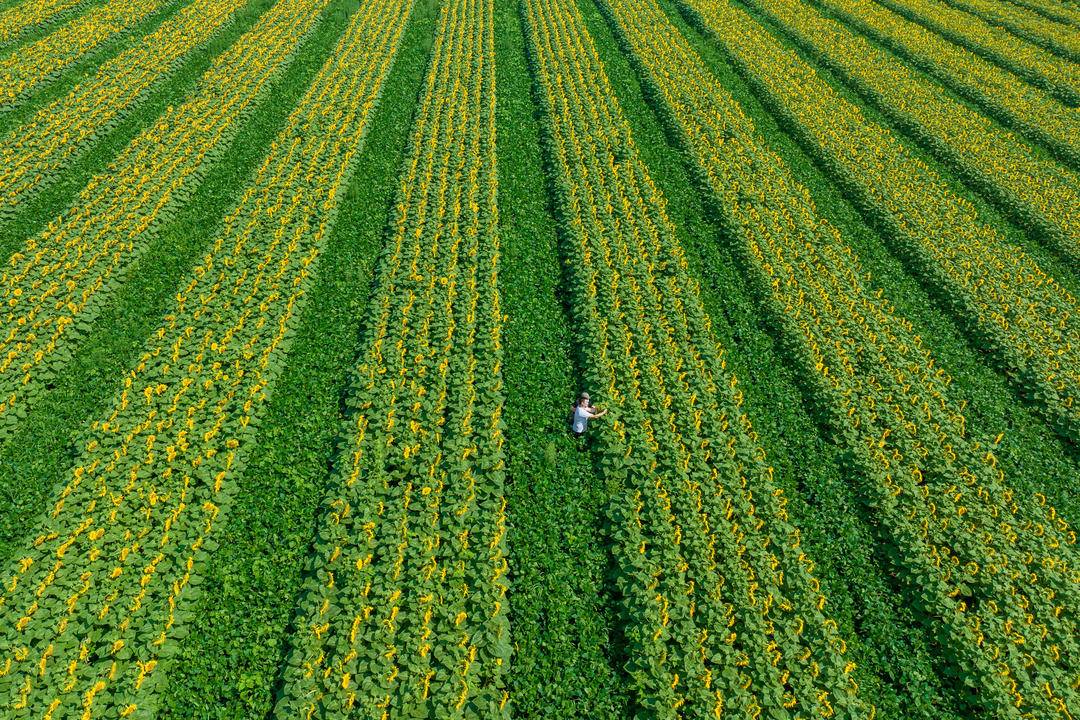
(583, 399)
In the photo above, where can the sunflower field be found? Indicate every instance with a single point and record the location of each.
(300, 300)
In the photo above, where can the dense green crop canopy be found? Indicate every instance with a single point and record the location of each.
(303, 302)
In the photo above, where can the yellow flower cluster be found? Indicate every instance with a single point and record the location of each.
(1039, 67)
(996, 573)
(25, 16)
(1054, 35)
(30, 155)
(100, 597)
(31, 66)
(406, 612)
(1001, 93)
(1018, 310)
(1045, 195)
(54, 286)
(722, 607)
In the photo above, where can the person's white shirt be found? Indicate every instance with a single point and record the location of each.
(581, 418)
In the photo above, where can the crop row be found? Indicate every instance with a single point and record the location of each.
(722, 612)
(1042, 195)
(99, 599)
(31, 155)
(1001, 94)
(26, 16)
(1049, 34)
(999, 46)
(893, 653)
(1014, 307)
(31, 66)
(995, 572)
(562, 622)
(1057, 11)
(404, 612)
(53, 288)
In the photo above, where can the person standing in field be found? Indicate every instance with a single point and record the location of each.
(583, 413)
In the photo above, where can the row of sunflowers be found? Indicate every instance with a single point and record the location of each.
(1014, 307)
(996, 44)
(55, 285)
(405, 612)
(22, 71)
(1049, 30)
(1052, 10)
(24, 18)
(994, 572)
(721, 610)
(33, 154)
(996, 91)
(1041, 194)
(100, 595)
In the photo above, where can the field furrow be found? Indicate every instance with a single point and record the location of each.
(404, 612)
(1040, 194)
(722, 612)
(1000, 294)
(1051, 35)
(993, 573)
(28, 15)
(106, 582)
(32, 154)
(32, 66)
(1035, 65)
(54, 286)
(998, 92)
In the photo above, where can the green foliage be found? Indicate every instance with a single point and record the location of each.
(228, 669)
(619, 550)
(238, 305)
(562, 618)
(32, 462)
(891, 658)
(74, 47)
(774, 259)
